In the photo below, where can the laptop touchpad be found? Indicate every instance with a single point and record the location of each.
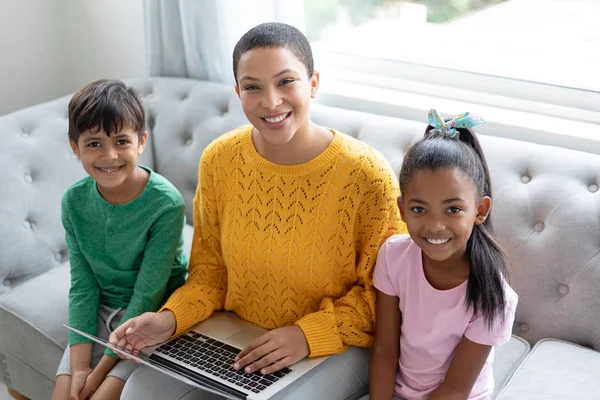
(245, 336)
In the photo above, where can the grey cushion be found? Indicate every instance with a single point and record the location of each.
(188, 233)
(507, 359)
(31, 318)
(558, 370)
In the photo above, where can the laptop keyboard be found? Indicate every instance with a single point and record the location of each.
(216, 358)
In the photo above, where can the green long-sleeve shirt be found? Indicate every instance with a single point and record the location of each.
(122, 255)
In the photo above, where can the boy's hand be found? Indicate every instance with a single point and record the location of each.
(146, 330)
(273, 351)
(78, 380)
(92, 383)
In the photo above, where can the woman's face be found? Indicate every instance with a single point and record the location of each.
(275, 92)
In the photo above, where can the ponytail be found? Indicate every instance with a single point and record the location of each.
(485, 291)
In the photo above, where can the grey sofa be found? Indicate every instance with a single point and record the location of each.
(547, 212)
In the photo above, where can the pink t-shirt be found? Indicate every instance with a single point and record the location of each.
(434, 322)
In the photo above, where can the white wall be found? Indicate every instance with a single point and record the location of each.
(32, 66)
(106, 39)
(50, 48)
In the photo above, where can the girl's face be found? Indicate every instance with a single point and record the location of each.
(440, 208)
(275, 92)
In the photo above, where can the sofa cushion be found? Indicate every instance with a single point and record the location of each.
(31, 319)
(29, 382)
(188, 235)
(555, 369)
(507, 359)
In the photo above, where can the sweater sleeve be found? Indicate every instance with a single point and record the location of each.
(349, 320)
(205, 288)
(84, 294)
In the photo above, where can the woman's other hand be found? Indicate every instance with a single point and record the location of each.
(273, 351)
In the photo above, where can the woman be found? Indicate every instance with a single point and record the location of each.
(288, 218)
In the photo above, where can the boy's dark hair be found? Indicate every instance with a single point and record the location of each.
(275, 34)
(488, 264)
(106, 105)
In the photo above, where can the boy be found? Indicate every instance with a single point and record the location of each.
(124, 230)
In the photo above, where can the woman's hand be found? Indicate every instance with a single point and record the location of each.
(273, 351)
(146, 330)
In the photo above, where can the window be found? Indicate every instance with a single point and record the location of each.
(528, 55)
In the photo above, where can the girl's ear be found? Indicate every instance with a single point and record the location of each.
(400, 203)
(483, 210)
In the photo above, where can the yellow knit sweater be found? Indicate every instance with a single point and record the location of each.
(290, 244)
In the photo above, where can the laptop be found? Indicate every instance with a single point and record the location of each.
(203, 357)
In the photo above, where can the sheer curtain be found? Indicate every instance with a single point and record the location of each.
(195, 38)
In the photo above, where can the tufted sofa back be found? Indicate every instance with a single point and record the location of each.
(546, 199)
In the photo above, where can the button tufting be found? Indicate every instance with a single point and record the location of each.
(7, 282)
(57, 256)
(25, 135)
(525, 179)
(189, 142)
(28, 178)
(524, 327)
(593, 188)
(109, 232)
(538, 227)
(27, 224)
(563, 289)
(151, 121)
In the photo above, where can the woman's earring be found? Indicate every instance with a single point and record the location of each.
(312, 93)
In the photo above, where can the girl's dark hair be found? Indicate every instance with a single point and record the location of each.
(107, 105)
(488, 264)
(275, 34)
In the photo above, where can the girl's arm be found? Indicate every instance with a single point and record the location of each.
(386, 348)
(463, 371)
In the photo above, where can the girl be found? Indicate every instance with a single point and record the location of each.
(288, 219)
(443, 300)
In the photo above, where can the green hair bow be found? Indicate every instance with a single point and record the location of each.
(448, 129)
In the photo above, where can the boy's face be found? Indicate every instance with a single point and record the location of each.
(275, 92)
(110, 160)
